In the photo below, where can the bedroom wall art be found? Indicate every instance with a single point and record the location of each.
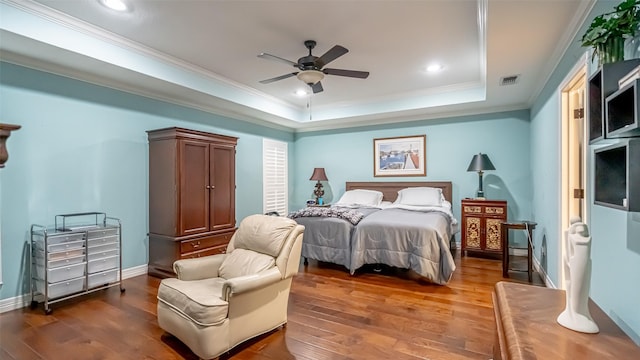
(400, 156)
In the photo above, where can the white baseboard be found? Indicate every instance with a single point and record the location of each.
(517, 252)
(543, 273)
(24, 300)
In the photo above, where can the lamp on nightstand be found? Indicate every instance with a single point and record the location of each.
(480, 163)
(319, 175)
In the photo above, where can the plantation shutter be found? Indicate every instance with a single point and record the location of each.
(274, 176)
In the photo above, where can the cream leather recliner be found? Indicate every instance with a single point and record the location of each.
(219, 301)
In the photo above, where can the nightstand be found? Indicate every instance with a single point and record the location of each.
(481, 227)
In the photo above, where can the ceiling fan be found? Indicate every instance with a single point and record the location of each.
(311, 67)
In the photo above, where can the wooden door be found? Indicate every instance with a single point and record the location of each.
(222, 173)
(194, 182)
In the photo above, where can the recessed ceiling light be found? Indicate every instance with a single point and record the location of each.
(117, 5)
(434, 68)
(301, 92)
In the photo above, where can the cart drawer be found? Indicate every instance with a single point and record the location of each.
(61, 273)
(93, 234)
(94, 255)
(65, 246)
(61, 288)
(67, 261)
(60, 238)
(65, 254)
(103, 248)
(103, 264)
(103, 278)
(62, 259)
(102, 241)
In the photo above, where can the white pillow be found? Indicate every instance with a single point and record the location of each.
(361, 197)
(420, 196)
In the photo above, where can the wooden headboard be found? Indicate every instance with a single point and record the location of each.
(390, 189)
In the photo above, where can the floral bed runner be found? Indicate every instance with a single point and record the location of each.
(350, 215)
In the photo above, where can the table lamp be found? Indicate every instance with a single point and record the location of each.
(480, 163)
(319, 175)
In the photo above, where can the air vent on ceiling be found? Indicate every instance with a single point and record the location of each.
(509, 80)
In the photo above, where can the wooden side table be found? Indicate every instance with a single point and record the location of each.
(517, 225)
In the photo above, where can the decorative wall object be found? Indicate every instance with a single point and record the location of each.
(577, 270)
(5, 132)
(400, 156)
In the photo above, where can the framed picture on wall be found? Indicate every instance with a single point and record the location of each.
(400, 156)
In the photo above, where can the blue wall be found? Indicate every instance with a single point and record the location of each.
(615, 250)
(84, 148)
(347, 155)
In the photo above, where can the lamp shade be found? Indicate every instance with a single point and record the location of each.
(310, 76)
(318, 174)
(480, 162)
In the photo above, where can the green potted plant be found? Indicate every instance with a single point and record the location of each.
(608, 32)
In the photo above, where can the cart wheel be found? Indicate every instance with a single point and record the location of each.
(122, 290)
(48, 311)
(33, 305)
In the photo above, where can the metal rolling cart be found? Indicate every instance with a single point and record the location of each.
(75, 257)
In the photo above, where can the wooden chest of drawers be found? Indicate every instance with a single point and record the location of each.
(481, 221)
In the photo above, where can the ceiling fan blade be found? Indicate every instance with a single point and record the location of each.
(333, 53)
(348, 73)
(317, 87)
(267, 81)
(277, 58)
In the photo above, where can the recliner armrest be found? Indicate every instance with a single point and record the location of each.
(198, 268)
(250, 282)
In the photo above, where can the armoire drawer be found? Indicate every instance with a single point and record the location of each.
(187, 246)
(221, 249)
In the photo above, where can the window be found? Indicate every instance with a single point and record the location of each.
(274, 176)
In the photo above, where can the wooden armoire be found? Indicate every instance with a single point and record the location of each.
(191, 196)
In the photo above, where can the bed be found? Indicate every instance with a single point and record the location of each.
(414, 233)
(328, 238)
(407, 239)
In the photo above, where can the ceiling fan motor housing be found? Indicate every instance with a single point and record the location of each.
(309, 63)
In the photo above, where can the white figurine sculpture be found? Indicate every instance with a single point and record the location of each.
(577, 269)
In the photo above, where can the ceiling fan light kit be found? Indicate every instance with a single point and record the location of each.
(311, 67)
(310, 77)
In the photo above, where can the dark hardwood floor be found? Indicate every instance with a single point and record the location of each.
(332, 315)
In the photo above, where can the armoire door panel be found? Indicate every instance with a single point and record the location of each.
(194, 182)
(222, 175)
